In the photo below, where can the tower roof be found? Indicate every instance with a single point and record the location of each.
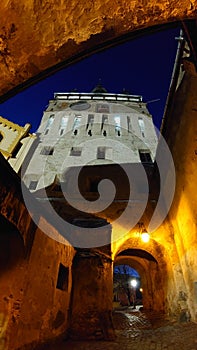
(99, 89)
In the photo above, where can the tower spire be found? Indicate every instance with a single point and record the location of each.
(99, 88)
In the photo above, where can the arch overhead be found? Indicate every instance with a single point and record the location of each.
(150, 262)
(37, 38)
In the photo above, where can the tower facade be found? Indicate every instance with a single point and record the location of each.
(90, 129)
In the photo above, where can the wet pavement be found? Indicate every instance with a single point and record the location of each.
(136, 330)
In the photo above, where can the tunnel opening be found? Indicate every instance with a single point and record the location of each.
(150, 280)
(142, 273)
(127, 290)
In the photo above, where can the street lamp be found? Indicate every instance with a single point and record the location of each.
(134, 285)
(144, 235)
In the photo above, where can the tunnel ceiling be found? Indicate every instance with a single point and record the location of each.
(137, 252)
(38, 35)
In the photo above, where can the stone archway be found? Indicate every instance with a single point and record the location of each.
(150, 263)
(150, 280)
(38, 38)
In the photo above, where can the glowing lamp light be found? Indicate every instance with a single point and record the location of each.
(143, 234)
(134, 283)
(145, 237)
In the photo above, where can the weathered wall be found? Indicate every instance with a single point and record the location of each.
(92, 293)
(35, 36)
(12, 267)
(181, 131)
(44, 308)
(32, 305)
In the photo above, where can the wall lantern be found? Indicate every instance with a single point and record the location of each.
(144, 235)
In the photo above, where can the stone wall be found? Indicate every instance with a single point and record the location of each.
(92, 293)
(35, 272)
(45, 296)
(37, 36)
(180, 133)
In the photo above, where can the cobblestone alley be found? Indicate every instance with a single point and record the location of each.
(136, 330)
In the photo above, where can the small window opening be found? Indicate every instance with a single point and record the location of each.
(33, 185)
(117, 125)
(1, 137)
(90, 121)
(63, 277)
(49, 123)
(142, 126)
(104, 121)
(63, 125)
(101, 152)
(128, 124)
(75, 151)
(76, 124)
(145, 157)
(47, 151)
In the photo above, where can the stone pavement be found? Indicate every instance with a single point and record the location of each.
(136, 330)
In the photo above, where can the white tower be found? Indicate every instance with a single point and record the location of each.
(90, 129)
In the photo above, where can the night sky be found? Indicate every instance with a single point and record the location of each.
(142, 66)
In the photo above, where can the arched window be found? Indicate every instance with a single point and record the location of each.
(1, 137)
(49, 123)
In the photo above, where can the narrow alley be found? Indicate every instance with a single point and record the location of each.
(136, 330)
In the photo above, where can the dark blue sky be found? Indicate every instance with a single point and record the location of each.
(142, 66)
(126, 269)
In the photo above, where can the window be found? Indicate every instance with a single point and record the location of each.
(47, 151)
(49, 123)
(1, 137)
(75, 151)
(117, 125)
(76, 124)
(104, 121)
(90, 121)
(101, 152)
(33, 185)
(62, 279)
(145, 157)
(102, 108)
(63, 125)
(50, 120)
(64, 122)
(142, 126)
(128, 124)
